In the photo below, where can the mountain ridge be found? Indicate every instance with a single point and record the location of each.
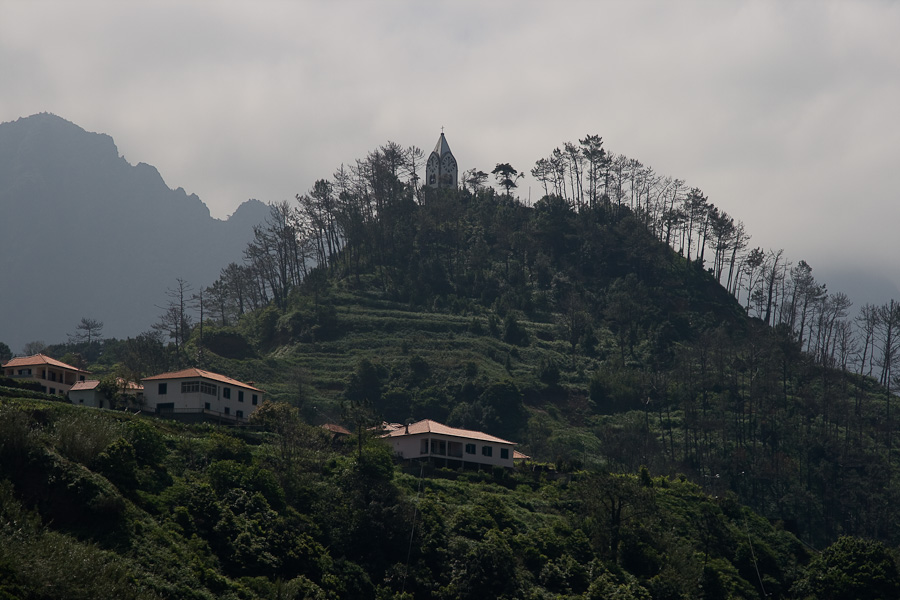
(89, 234)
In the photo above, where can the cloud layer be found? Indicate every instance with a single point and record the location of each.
(783, 113)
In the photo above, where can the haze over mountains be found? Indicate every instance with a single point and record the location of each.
(83, 233)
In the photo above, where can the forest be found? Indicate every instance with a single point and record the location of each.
(705, 418)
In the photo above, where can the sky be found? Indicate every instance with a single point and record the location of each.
(785, 114)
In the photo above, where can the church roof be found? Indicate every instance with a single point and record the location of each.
(442, 147)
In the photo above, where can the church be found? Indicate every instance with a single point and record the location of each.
(441, 170)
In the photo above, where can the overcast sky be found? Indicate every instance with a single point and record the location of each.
(784, 113)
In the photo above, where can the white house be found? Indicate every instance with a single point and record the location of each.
(200, 393)
(430, 439)
(87, 393)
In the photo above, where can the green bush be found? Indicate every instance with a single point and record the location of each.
(851, 568)
(149, 445)
(117, 463)
(228, 343)
(83, 434)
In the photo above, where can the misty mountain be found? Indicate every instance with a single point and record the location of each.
(83, 233)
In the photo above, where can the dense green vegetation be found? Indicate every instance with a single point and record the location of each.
(103, 504)
(586, 328)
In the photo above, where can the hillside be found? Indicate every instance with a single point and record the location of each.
(86, 234)
(149, 509)
(592, 333)
(578, 334)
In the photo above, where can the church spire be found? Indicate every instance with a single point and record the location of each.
(441, 169)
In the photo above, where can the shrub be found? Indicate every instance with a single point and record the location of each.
(17, 436)
(84, 434)
(149, 447)
(513, 333)
(118, 464)
(229, 344)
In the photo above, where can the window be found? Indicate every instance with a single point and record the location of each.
(504, 453)
(439, 447)
(455, 449)
(208, 388)
(52, 390)
(239, 414)
(226, 392)
(424, 448)
(227, 411)
(163, 388)
(487, 451)
(52, 376)
(190, 387)
(81, 378)
(255, 399)
(470, 448)
(240, 395)
(206, 405)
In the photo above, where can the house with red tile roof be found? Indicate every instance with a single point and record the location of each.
(429, 439)
(195, 394)
(88, 393)
(55, 376)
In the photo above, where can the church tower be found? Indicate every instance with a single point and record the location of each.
(441, 170)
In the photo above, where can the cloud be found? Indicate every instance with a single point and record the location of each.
(783, 113)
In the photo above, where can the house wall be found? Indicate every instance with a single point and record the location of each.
(410, 446)
(53, 379)
(91, 398)
(238, 406)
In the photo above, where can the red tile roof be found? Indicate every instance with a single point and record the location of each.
(429, 426)
(188, 373)
(39, 359)
(519, 456)
(90, 384)
(84, 385)
(335, 429)
(129, 385)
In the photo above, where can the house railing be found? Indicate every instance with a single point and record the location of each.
(193, 411)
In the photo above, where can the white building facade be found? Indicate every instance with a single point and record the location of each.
(429, 439)
(198, 392)
(85, 393)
